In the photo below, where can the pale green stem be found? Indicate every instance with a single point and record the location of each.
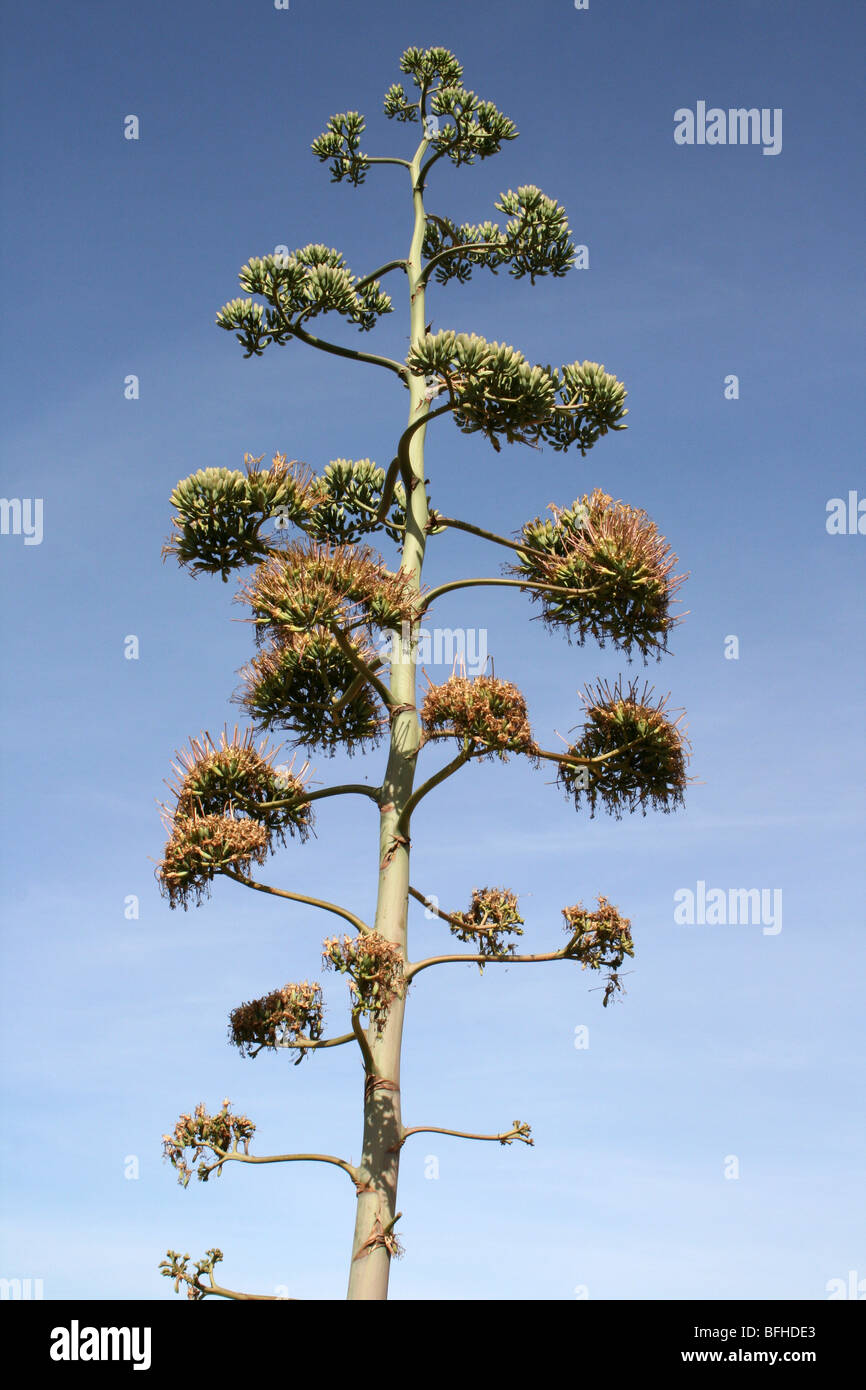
(401, 465)
(301, 333)
(361, 666)
(467, 246)
(587, 762)
(379, 1166)
(447, 771)
(303, 1043)
(411, 970)
(502, 583)
(513, 1133)
(298, 898)
(377, 274)
(448, 917)
(346, 789)
(217, 1291)
(279, 1158)
(450, 521)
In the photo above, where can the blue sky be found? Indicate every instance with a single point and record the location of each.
(703, 262)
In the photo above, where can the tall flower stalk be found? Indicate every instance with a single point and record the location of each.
(320, 606)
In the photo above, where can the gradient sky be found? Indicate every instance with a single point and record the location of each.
(703, 262)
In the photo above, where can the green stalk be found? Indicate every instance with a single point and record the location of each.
(383, 1128)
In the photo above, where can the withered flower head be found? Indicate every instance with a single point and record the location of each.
(233, 777)
(644, 752)
(220, 512)
(304, 684)
(492, 916)
(223, 1132)
(202, 846)
(600, 940)
(488, 711)
(617, 567)
(375, 969)
(308, 585)
(278, 1018)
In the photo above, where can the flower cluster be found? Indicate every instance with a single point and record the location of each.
(493, 387)
(201, 846)
(488, 712)
(306, 684)
(492, 916)
(309, 585)
(591, 401)
(349, 492)
(220, 1134)
(469, 127)
(375, 969)
(599, 940)
(535, 242)
(616, 568)
(310, 281)
(484, 238)
(341, 143)
(397, 105)
(235, 776)
(231, 805)
(175, 1268)
(278, 1019)
(639, 753)
(220, 512)
(320, 604)
(426, 65)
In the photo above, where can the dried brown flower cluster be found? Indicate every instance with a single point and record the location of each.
(224, 816)
(490, 713)
(202, 846)
(492, 916)
(644, 752)
(235, 776)
(309, 585)
(284, 1016)
(220, 1133)
(616, 565)
(375, 969)
(599, 940)
(306, 685)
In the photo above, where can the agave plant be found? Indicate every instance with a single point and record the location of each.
(322, 599)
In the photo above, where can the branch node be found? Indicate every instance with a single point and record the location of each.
(396, 841)
(378, 1083)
